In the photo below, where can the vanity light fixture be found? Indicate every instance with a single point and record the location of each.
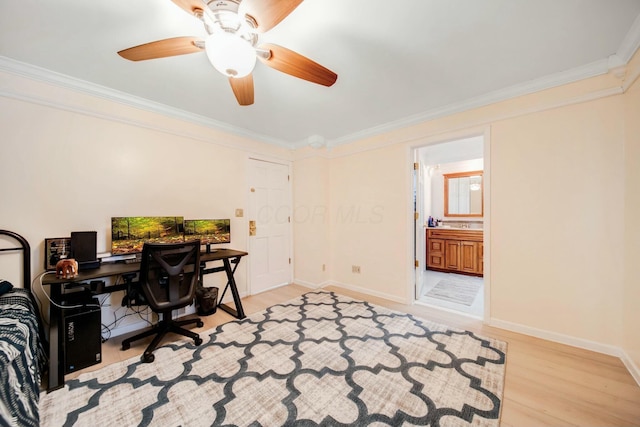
(474, 183)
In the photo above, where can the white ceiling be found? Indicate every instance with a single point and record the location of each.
(452, 151)
(397, 62)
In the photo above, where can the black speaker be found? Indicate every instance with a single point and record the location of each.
(83, 249)
(81, 325)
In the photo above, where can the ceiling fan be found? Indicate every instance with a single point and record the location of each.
(232, 45)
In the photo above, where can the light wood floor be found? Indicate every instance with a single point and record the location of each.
(547, 384)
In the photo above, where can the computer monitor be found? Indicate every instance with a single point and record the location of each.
(209, 231)
(128, 234)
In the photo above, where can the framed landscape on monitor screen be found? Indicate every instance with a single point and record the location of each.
(128, 234)
(209, 231)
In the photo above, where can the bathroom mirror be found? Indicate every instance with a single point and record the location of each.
(463, 194)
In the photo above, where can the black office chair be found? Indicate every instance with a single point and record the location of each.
(168, 278)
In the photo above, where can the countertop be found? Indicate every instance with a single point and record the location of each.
(447, 227)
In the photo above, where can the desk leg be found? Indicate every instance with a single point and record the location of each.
(56, 354)
(239, 311)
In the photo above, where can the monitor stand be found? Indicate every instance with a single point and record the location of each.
(208, 248)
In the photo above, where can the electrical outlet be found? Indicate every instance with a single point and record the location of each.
(355, 269)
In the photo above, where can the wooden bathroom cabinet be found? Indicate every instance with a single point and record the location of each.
(455, 250)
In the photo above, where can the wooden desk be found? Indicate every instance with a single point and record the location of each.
(56, 349)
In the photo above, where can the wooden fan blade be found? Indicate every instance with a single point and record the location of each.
(161, 49)
(294, 64)
(242, 89)
(190, 6)
(268, 13)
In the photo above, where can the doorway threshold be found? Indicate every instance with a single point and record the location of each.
(449, 310)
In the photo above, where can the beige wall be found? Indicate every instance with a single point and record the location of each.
(350, 211)
(70, 162)
(556, 202)
(559, 162)
(369, 213)
(556, 212)
(631, 342)
(311, 220)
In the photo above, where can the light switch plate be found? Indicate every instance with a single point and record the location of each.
(239, 213)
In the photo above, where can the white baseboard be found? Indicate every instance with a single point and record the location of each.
(367, 291)
(228, 298)
(611, 350)
(190, 309)
(608, 349)
(449, 311)
(633, 369)
(310, 285)
(132, 327)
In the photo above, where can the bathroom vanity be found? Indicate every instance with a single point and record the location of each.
(455, 250)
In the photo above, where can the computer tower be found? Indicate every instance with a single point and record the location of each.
(81, 333)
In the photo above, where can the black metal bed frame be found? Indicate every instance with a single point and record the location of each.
(26, 256)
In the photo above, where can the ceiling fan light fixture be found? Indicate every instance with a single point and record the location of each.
(232, 46)
(230, 54)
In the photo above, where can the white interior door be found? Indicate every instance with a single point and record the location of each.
(418, 229)
(269, 225)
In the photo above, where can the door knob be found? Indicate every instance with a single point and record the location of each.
(252, 228)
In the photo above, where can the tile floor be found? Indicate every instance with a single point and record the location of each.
(431, 278)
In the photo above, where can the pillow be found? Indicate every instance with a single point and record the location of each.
(5, 286)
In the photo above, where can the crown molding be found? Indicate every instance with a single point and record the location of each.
(627, 49)
(631, 42)
(576, 74)
(41, 74)
(630, 78)
(465, 129)
(621, 58)
(196, 136)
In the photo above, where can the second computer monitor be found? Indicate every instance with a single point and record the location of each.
(209, 231)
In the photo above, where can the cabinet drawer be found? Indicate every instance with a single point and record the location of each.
(436, 245)
(435, 253)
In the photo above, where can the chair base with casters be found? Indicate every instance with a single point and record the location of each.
(164, 326)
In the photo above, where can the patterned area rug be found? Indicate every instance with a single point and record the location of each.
(321, 359)
(455, 291)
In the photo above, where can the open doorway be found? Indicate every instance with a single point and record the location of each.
(449, 200)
